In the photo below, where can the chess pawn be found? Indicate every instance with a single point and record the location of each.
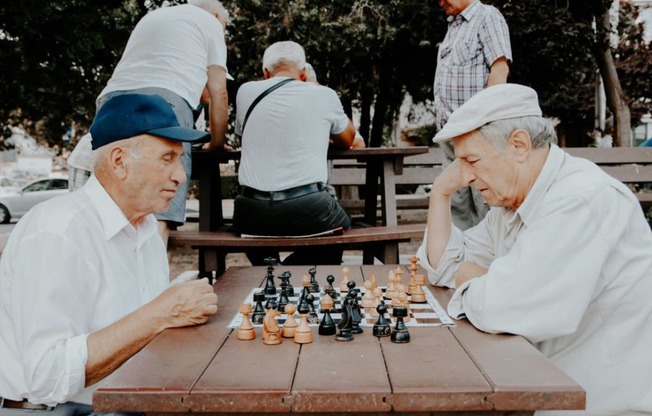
(400, 334)
(290, 325)
(368, 297)
(398, 273)
(246, 329)
(329, 287)
(305, 291)
(418, 295)
(390, 292)
(303, 332)
(382, 327)
(327, 325)
(271, 330)
(402, 301)
(400, 288)
(345, 280)
(378, 300)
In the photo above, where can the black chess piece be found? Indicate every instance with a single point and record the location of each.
(329, 287)
(356, 313)
(327, 325)
(346, 323)
(400, 333)
(258, 313)
(314, 286)
(283, 298)
(382, 327)
(270, 287)
(285, 280)
(313, 318)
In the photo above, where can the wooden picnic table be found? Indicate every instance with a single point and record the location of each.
(206, 369)
(382, 165)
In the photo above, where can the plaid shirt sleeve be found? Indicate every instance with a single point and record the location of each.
(494, 37)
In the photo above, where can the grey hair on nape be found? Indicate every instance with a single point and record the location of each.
(213, 7)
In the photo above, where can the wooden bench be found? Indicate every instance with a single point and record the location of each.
(348, 175)
(213, 246)
(630, 165)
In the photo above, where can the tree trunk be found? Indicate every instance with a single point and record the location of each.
(622, 133)
(381, 105)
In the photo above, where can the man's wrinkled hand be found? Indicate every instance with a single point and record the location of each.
(189, 303)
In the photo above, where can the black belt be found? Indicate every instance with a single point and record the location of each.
(22, 404)
(302, 190)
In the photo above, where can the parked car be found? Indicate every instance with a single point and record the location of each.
(14, 204)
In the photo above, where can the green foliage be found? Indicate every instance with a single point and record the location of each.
(57, 55)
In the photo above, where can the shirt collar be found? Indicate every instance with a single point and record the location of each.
(546, 178)
(112, 218)
(469, 13)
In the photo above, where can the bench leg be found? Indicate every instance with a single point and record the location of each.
(389, 253)
(212, 263)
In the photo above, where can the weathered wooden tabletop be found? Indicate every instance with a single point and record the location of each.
(442, 369)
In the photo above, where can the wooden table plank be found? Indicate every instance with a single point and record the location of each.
(432, 372)
(503, 360)
(334, 376)
(155, 379)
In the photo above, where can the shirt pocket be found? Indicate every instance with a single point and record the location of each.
(465, 52)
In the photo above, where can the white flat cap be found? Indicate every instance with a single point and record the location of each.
(497, 102)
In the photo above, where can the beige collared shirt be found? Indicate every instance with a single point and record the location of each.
(571, 271)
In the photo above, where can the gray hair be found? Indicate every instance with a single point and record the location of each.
(213, 7)
(540, 129)
(284, 54)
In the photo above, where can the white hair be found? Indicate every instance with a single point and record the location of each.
(213, 7)
(284, 54)
(540, 129)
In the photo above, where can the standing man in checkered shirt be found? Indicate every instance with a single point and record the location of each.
(474, 55)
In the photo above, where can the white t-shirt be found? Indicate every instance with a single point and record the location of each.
(171, 48)
(285, 142)
(73, 265)
(571, 271)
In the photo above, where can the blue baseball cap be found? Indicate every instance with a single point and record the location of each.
(129, 115)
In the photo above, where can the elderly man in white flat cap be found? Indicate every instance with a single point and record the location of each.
(564, 257)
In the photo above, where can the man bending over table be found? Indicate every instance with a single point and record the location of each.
(283, 170)
(84, 277)
(564, 257)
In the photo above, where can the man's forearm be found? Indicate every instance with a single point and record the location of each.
(218, 119)
(498, 72)
(110, 347)
(439, 227)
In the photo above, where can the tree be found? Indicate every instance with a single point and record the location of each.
(58, 55)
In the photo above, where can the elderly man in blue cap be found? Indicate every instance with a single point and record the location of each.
(563, 257)
(84, 277)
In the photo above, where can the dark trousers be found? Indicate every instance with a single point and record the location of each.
(308, 214)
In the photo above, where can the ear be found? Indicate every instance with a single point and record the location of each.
(521, 143)
(302, 75)
(266, 73)
(117, 158)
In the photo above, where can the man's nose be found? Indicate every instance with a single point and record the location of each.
(179, 174)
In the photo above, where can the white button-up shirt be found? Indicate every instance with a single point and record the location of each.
(73, 265)
(571, 271)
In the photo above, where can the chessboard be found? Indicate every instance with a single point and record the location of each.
(428, 314)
